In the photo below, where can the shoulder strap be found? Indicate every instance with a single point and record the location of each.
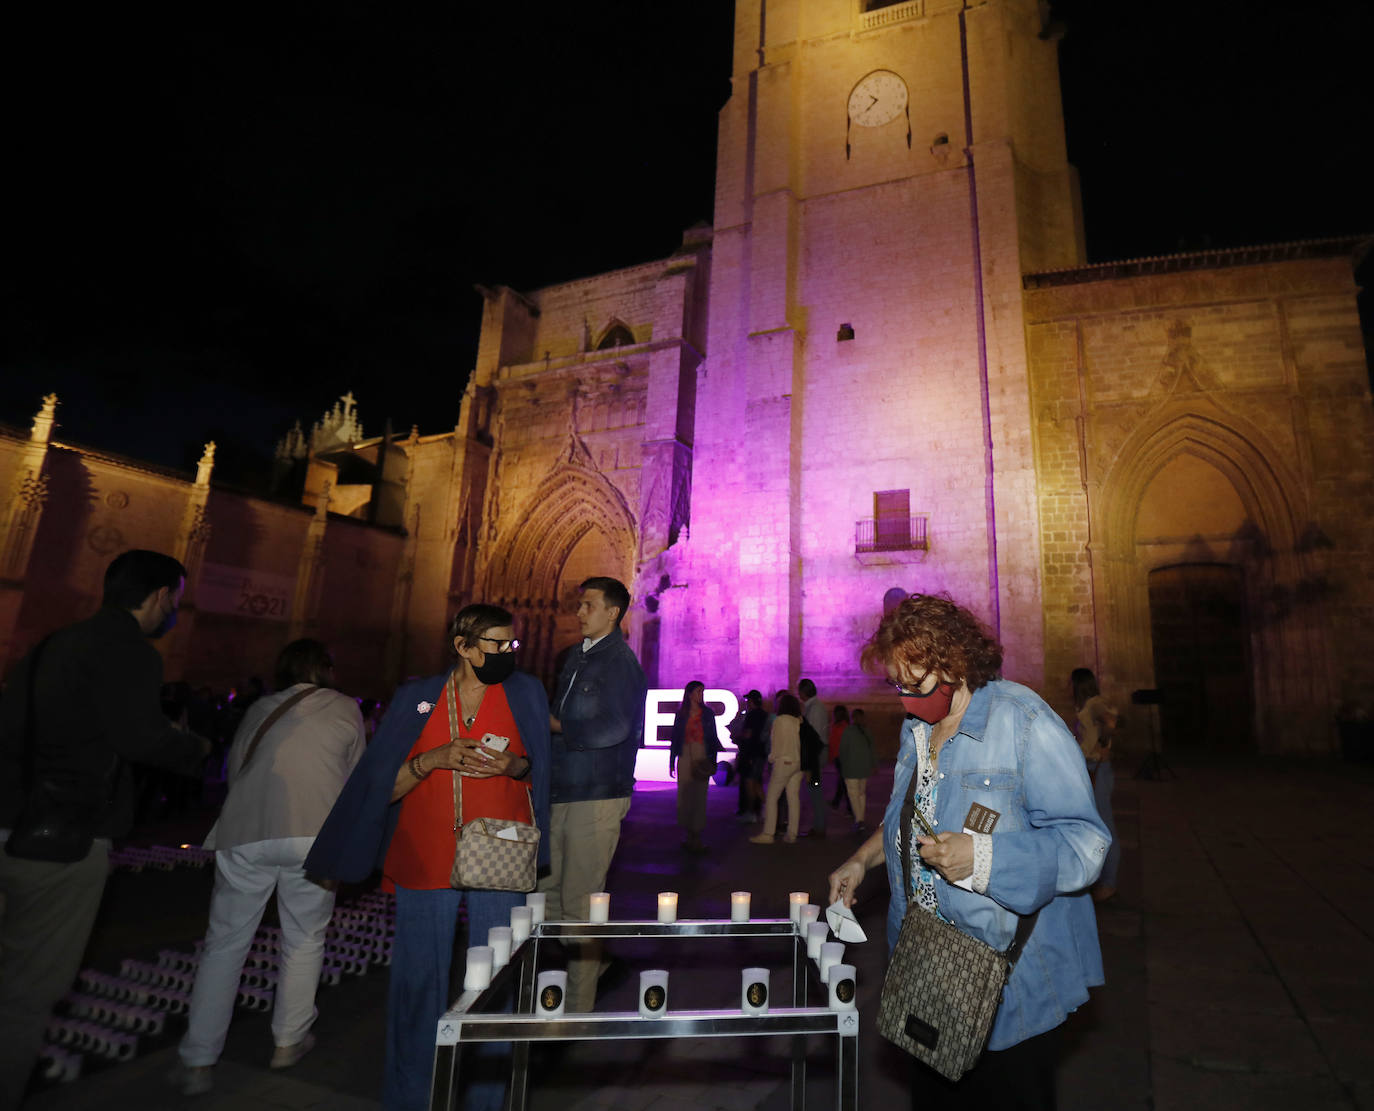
(452, 698)
(1024, 923)
(271, 720)
(451, 695)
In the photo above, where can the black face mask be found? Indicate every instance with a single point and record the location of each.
(497, 668)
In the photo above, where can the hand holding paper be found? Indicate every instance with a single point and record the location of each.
(843, 924)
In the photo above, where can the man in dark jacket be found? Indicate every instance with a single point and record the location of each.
(598, 724)
(82, 705)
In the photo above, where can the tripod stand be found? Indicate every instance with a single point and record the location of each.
(1154, 766)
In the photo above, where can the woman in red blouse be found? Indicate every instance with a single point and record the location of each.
(692, 756)
(399, 810)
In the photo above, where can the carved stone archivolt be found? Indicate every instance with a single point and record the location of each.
(571, 501)
(1269, 492)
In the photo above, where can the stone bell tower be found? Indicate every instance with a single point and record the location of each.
(886, 173)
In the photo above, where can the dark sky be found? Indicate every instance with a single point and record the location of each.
(217, 223)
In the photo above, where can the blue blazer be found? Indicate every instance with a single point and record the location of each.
(353, 841)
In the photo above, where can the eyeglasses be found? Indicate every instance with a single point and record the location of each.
(502, 645)
(918, 693)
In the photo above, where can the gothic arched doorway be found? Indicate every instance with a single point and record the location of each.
(1195, 491)
(577, 526)
(1200, 635)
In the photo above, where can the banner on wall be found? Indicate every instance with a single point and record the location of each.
(244, 593)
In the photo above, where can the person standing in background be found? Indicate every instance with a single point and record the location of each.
(1095, 723)
(78, 710)
(856, 758)
(752, 745)
(598, 726)
(815, 713)
(837, 728)
(692, 756)
(293, 753)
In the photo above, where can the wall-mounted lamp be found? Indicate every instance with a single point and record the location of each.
(846, 332)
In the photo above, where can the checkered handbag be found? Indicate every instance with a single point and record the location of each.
(943, 987)
(482, 860)
(486, 862)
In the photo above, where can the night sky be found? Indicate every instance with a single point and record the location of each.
(219, 222)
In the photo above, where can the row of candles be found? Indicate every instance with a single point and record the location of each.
(484, 960)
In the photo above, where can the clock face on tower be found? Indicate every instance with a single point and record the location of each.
(877, 99)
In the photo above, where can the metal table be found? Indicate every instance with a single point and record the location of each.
(467, 1021)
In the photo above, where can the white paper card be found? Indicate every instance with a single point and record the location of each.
(843, 924)
(967, 882)
(508, 834)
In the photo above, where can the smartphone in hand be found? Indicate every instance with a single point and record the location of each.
(492, 743)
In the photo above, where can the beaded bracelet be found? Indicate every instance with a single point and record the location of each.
(414, 765)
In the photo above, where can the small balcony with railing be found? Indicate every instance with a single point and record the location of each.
(891, 539)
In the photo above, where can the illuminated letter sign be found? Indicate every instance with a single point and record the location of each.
(724, 703)
(652, 764)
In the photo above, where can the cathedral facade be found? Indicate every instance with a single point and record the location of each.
(885, 368)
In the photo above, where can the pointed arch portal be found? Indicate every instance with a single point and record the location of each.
(1201, 518)
(577, 525)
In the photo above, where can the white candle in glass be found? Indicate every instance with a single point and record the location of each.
(667, 906)
(831, 954)
(478, 973)
(551, 994)
(795, 902)
(535, 901)
(809, 913)
(653, 993)
(739, 906)
(498, 940)
(521, 922)
(754, 991)
(601, 907)
(815, 937)
(843, 987)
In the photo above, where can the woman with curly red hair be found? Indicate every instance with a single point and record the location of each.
(992, 770)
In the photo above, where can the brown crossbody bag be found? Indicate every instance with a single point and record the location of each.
(943, 987)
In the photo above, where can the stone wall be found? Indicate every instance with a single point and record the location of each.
(1209, 412)
(246, 557)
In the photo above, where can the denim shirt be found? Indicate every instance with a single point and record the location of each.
(600, 704)
(1013, 755)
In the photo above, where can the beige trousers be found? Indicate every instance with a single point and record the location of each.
(583, 837)
(785, 776)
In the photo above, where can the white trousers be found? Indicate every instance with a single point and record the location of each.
(244, 879)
